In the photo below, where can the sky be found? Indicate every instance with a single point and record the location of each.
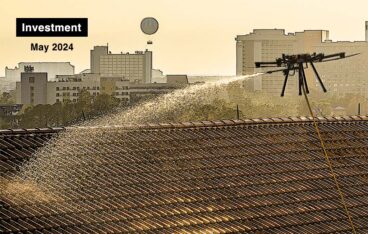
(195, 37)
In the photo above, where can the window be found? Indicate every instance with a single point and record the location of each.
(31, 79)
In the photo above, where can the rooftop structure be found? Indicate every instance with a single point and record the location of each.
(51, 68)
(251, 175)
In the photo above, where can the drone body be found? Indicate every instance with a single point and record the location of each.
(293, 63)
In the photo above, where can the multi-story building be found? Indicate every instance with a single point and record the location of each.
(32, 89)
(35, 89)
(67, 88)
(348, 76)
(51, 68)
(340, 77)
(267, 45)
(137, 67)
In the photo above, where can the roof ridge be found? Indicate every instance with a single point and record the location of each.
(195, 124)
(233, 122)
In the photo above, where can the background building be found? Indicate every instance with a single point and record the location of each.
(267, 45)
(67, 88)
(348, 76)
(137, 67)
(32, 90)
(342, 77)
(51, 68)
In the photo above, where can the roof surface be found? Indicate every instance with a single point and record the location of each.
(266, 175)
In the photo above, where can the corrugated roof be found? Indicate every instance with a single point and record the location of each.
(266, 175)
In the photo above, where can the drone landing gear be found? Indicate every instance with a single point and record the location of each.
(302, 79)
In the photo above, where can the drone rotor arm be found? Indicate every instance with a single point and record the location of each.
(266, 64)
(279, 70)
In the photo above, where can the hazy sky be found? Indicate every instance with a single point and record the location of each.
(195, 36)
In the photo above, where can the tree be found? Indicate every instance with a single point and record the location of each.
(104, 103)
(6, 98)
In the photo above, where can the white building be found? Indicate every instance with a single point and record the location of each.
(267, 45)
(51, 68)
(348, 76)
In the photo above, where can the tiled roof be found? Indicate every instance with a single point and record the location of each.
(18, 145)
(266, 175)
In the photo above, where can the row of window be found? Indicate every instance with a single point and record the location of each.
(122, 93)
(77, 88)
(76, 99)
(67, 94)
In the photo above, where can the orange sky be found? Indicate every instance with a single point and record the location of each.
(195, 36)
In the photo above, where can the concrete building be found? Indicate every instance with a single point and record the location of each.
(348, 76)
(67, 88)
(267, 45)
(137, 67)
(341, 77)
(32, 90)
(51, 68)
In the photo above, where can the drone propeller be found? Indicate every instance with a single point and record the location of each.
(296, 62)
(328, 60)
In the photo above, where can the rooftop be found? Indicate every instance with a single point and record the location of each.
(267, 175)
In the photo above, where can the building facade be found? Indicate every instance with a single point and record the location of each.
(347, 76)
(343, 77)
(51, 68)
(137, 67)
(32, 89)
(68, 88)
(267, 45)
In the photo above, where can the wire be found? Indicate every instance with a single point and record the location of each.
(341, 194)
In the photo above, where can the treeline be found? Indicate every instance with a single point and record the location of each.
(63, 114)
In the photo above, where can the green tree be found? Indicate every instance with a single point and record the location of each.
(6, 98)
(104, 103)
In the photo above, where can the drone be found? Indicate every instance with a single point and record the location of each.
(293, 63)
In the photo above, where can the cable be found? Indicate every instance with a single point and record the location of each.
(342, 197)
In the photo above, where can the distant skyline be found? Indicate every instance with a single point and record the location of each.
(195, 37)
